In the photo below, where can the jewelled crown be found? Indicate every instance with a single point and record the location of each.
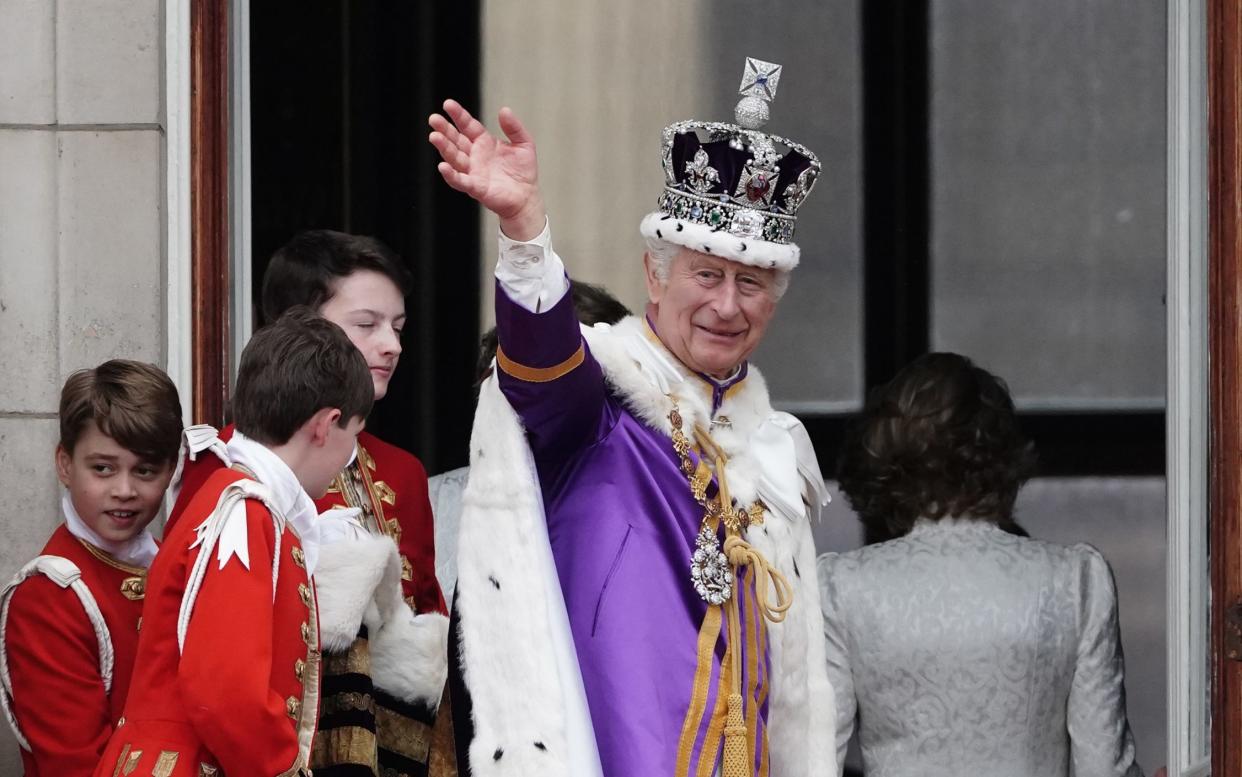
(731, 189)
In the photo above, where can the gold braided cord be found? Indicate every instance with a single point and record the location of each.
(711, 739)
(741, 553)
(708, 634)
(753, 626)
(762, 744)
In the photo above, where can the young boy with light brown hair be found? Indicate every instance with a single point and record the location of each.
(69, 620)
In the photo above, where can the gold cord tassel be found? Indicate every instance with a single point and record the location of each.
(736, 754)
(735, 761)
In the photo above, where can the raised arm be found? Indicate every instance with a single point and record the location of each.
(545, 370)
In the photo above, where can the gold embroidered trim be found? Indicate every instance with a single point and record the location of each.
(386, 494)
(132, 763)
(355, 660)
(120, 761)
(360, 490)
(134, 588)
(347, 701)
(110, 560)
(309, 707)
(349, 746)
(165, 764)
(405, 736)
(540, 374)
(207, 770)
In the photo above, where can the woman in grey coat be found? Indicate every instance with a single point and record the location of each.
(961, 646)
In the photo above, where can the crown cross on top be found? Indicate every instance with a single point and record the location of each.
(759, 82)
(760, 79)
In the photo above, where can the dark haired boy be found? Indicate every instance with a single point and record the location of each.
(69, 619)
(227, 675)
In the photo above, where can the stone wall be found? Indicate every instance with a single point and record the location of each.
(82, 257)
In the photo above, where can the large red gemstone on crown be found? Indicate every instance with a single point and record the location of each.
(757, 187)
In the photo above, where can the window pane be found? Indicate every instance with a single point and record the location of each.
(1048, 196)
(812, 356)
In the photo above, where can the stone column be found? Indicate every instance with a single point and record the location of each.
(82, 262)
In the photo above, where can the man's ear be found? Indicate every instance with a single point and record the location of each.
(321, 423)
(655, 287)
(63, 464)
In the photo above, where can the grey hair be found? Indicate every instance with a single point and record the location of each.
(663, 252)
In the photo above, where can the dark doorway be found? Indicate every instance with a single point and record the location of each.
(340, 94)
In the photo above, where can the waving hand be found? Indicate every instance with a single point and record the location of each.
(502, 175)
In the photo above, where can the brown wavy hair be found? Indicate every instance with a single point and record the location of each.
(134, 403)
(940, 439)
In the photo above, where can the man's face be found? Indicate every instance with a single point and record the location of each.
(333, 455)
(115, 491)
(711, 312)
(369, 307)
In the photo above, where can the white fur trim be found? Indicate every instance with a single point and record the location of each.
(346, 578)
(358, 581)
(409, 657)
(65, 574)
(802, 703)
(516, 648)
(720, 242)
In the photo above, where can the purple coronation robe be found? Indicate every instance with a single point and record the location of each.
(622, 524)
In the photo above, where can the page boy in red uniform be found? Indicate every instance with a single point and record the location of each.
(69, 620)
(227, 675)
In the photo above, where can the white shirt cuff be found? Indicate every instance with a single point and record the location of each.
(530, 272)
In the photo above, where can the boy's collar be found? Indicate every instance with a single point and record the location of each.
(138, 551)
(272, 471)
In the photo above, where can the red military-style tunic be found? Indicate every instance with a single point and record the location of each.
(389, 485)
(241, 696)
(59, 700)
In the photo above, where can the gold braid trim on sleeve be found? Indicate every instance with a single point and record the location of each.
(540, 374)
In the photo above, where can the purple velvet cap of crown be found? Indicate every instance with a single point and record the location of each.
(730, 163)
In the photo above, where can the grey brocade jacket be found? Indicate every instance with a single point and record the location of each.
(967, 650)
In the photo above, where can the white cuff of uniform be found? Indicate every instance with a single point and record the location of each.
(530, 272)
